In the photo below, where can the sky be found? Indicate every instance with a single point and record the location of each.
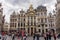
(14, 5)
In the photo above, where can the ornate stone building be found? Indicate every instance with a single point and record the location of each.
(1, 18)
(58, 16)
(6, 27)
(31, 21)
(13, 21)
(52, 22)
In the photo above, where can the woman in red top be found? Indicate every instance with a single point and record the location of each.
(22, 34)
(54, 35)
(3, 33)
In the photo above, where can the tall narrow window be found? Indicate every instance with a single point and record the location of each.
(46, 30)
(35, 21)
(45, 20)
(31, 21)
(15, 24)
(34, 30)
(38, 25)
(28, 23)
(24, 19)
(21, 24)
(45, 13)
(45, 25)
(18, 24)
(28, 20)
(28, 30)
(41, 20)
(24, 24)
(39, 30)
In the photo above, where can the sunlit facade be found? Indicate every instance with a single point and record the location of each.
(52, 22)
(6, 27)
(31, 21)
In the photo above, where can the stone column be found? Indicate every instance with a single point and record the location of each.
(26, 29)
(17, 25)
(30, 30)
(44, 29)
(41, 28)
(33, 20)
(33, 29)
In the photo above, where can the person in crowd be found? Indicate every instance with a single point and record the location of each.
(54, 35)
(18, 34)
(24, 37)
(45, 36)
(49, 35)
(1, 36)
(34, 36)
(37, 35)
(13, 37)
(9, 34)
(5, 37)
(22, 34)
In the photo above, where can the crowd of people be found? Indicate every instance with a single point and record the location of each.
(13, 35)
(47, 36)
(23, 35)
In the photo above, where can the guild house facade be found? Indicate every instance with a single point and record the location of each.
(31, 21)
(58, 16)
(1, 18)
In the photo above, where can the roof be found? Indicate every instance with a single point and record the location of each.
(41, 7)
(22, 11)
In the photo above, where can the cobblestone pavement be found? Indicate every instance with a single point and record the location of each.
(31, 38)
(28, 38)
